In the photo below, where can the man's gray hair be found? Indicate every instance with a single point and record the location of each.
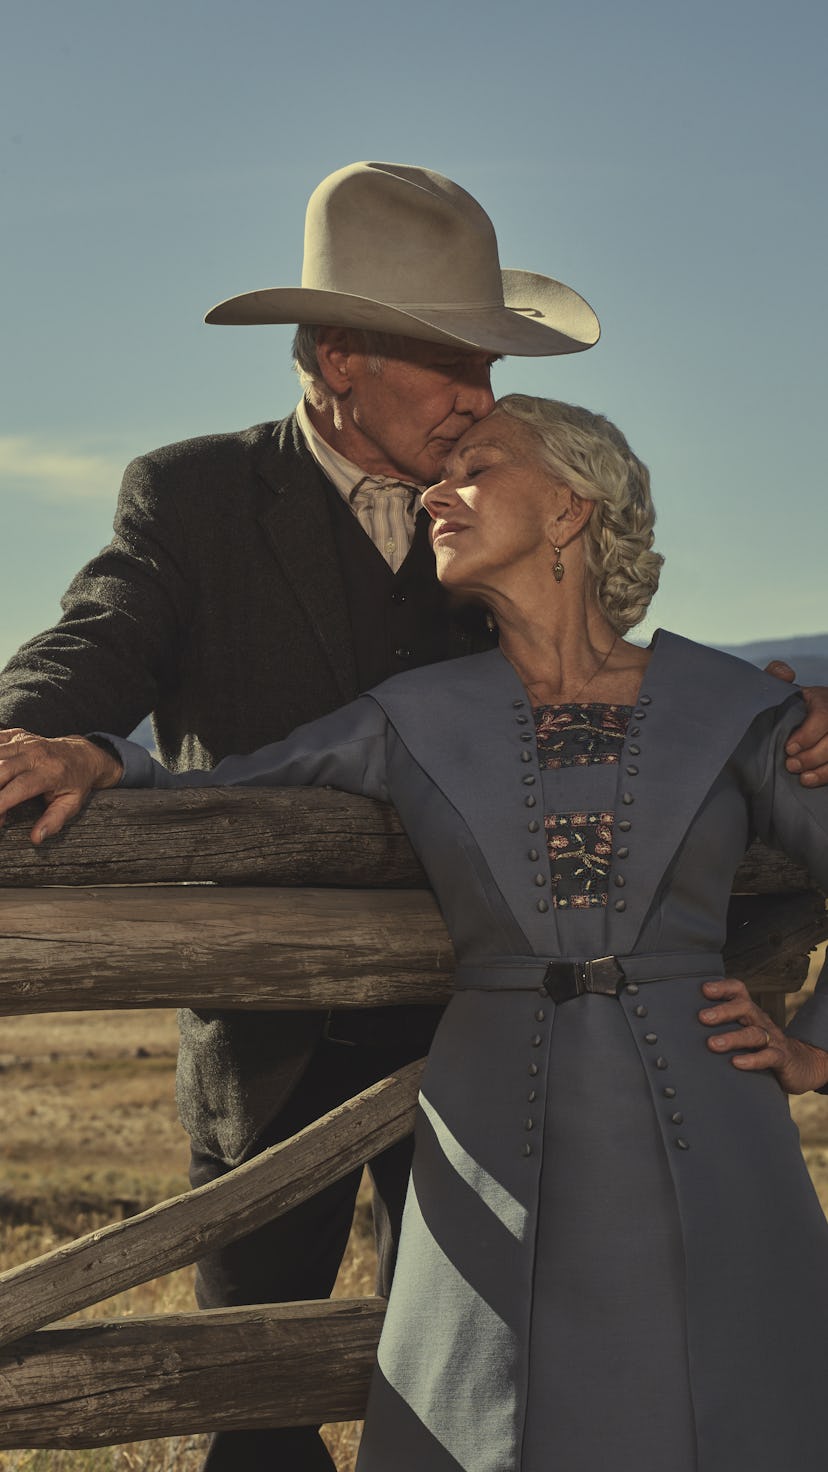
(376, 345)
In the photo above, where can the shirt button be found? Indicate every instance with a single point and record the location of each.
(533, 855)
(534, 826)
(620, 906)
(625, 825)
(622, 853)
(543, 906)
(402, 651)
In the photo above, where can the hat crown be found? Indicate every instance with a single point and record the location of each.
(402, 235)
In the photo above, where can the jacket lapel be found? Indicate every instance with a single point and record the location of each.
(695, 705)
(297, 526)
(462, 722)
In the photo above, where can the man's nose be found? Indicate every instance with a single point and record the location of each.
(475, 395)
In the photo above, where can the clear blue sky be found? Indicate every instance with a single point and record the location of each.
(666, 159)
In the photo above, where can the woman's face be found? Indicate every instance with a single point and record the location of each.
(496, 513)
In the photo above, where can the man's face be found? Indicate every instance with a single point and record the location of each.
(404, 420)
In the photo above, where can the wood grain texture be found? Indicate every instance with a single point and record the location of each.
(69, 949)
(220, 835)
(179, 1231)
(220, 1369)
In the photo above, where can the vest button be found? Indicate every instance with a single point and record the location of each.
(397, 596)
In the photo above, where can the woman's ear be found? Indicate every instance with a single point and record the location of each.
(571, 516)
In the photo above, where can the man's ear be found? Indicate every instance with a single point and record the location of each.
(333, 353)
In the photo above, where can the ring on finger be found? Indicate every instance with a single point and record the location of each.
(766, 1043)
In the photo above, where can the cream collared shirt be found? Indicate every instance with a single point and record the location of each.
(385, 508)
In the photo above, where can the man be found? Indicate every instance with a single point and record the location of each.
(258, 580)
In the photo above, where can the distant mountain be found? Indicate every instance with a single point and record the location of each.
(806, 653)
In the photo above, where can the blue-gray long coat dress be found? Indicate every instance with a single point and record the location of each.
(612, 1254)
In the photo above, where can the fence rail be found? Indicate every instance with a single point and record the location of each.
(244, 898)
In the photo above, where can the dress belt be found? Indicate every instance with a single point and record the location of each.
(564, 979)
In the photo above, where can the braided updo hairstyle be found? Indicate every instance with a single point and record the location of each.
(586, 452)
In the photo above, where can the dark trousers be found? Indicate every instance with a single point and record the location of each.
(297, 1256)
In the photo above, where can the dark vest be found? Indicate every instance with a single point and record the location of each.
(398, 620)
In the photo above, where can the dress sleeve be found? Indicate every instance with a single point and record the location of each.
(117, 644)
(346, 749)
(794, 818)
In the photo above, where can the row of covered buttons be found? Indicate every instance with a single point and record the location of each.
(529, 779)
(628, 798)
(651, 1038)
(536, 1041)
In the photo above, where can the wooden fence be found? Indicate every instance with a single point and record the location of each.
(244, 898)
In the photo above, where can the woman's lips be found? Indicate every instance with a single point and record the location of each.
(447, 529)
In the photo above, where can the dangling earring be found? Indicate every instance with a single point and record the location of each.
(491, 626)
(558, 568)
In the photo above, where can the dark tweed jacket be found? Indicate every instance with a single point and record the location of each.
(219, 605)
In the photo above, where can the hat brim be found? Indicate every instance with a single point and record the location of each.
(539, 317)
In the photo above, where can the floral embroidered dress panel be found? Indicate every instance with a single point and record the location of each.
(580, 842)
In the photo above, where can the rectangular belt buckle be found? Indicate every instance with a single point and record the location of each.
(564, 980)
(605, 975)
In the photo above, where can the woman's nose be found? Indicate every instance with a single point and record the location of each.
(437, 498)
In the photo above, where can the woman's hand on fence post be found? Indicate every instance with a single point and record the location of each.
(62, 770)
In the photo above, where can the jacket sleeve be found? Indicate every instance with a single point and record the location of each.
(794, 818)
(117, 643)
(346, 749)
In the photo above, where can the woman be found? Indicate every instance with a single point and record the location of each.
(611, 1245)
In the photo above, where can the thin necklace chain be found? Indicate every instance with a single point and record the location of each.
(593, 676)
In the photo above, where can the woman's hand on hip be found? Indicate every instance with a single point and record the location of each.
(798, 1066)
(63, 771)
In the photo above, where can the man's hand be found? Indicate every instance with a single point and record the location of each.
(807, 749)
(63, 771)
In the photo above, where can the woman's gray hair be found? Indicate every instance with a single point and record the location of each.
(587, 453)
(377, 345)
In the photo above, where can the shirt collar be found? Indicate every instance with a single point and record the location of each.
(342, 473)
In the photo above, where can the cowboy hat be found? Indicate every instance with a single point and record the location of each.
(394, 248)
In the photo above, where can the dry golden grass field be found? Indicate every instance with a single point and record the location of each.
(90, 1134)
